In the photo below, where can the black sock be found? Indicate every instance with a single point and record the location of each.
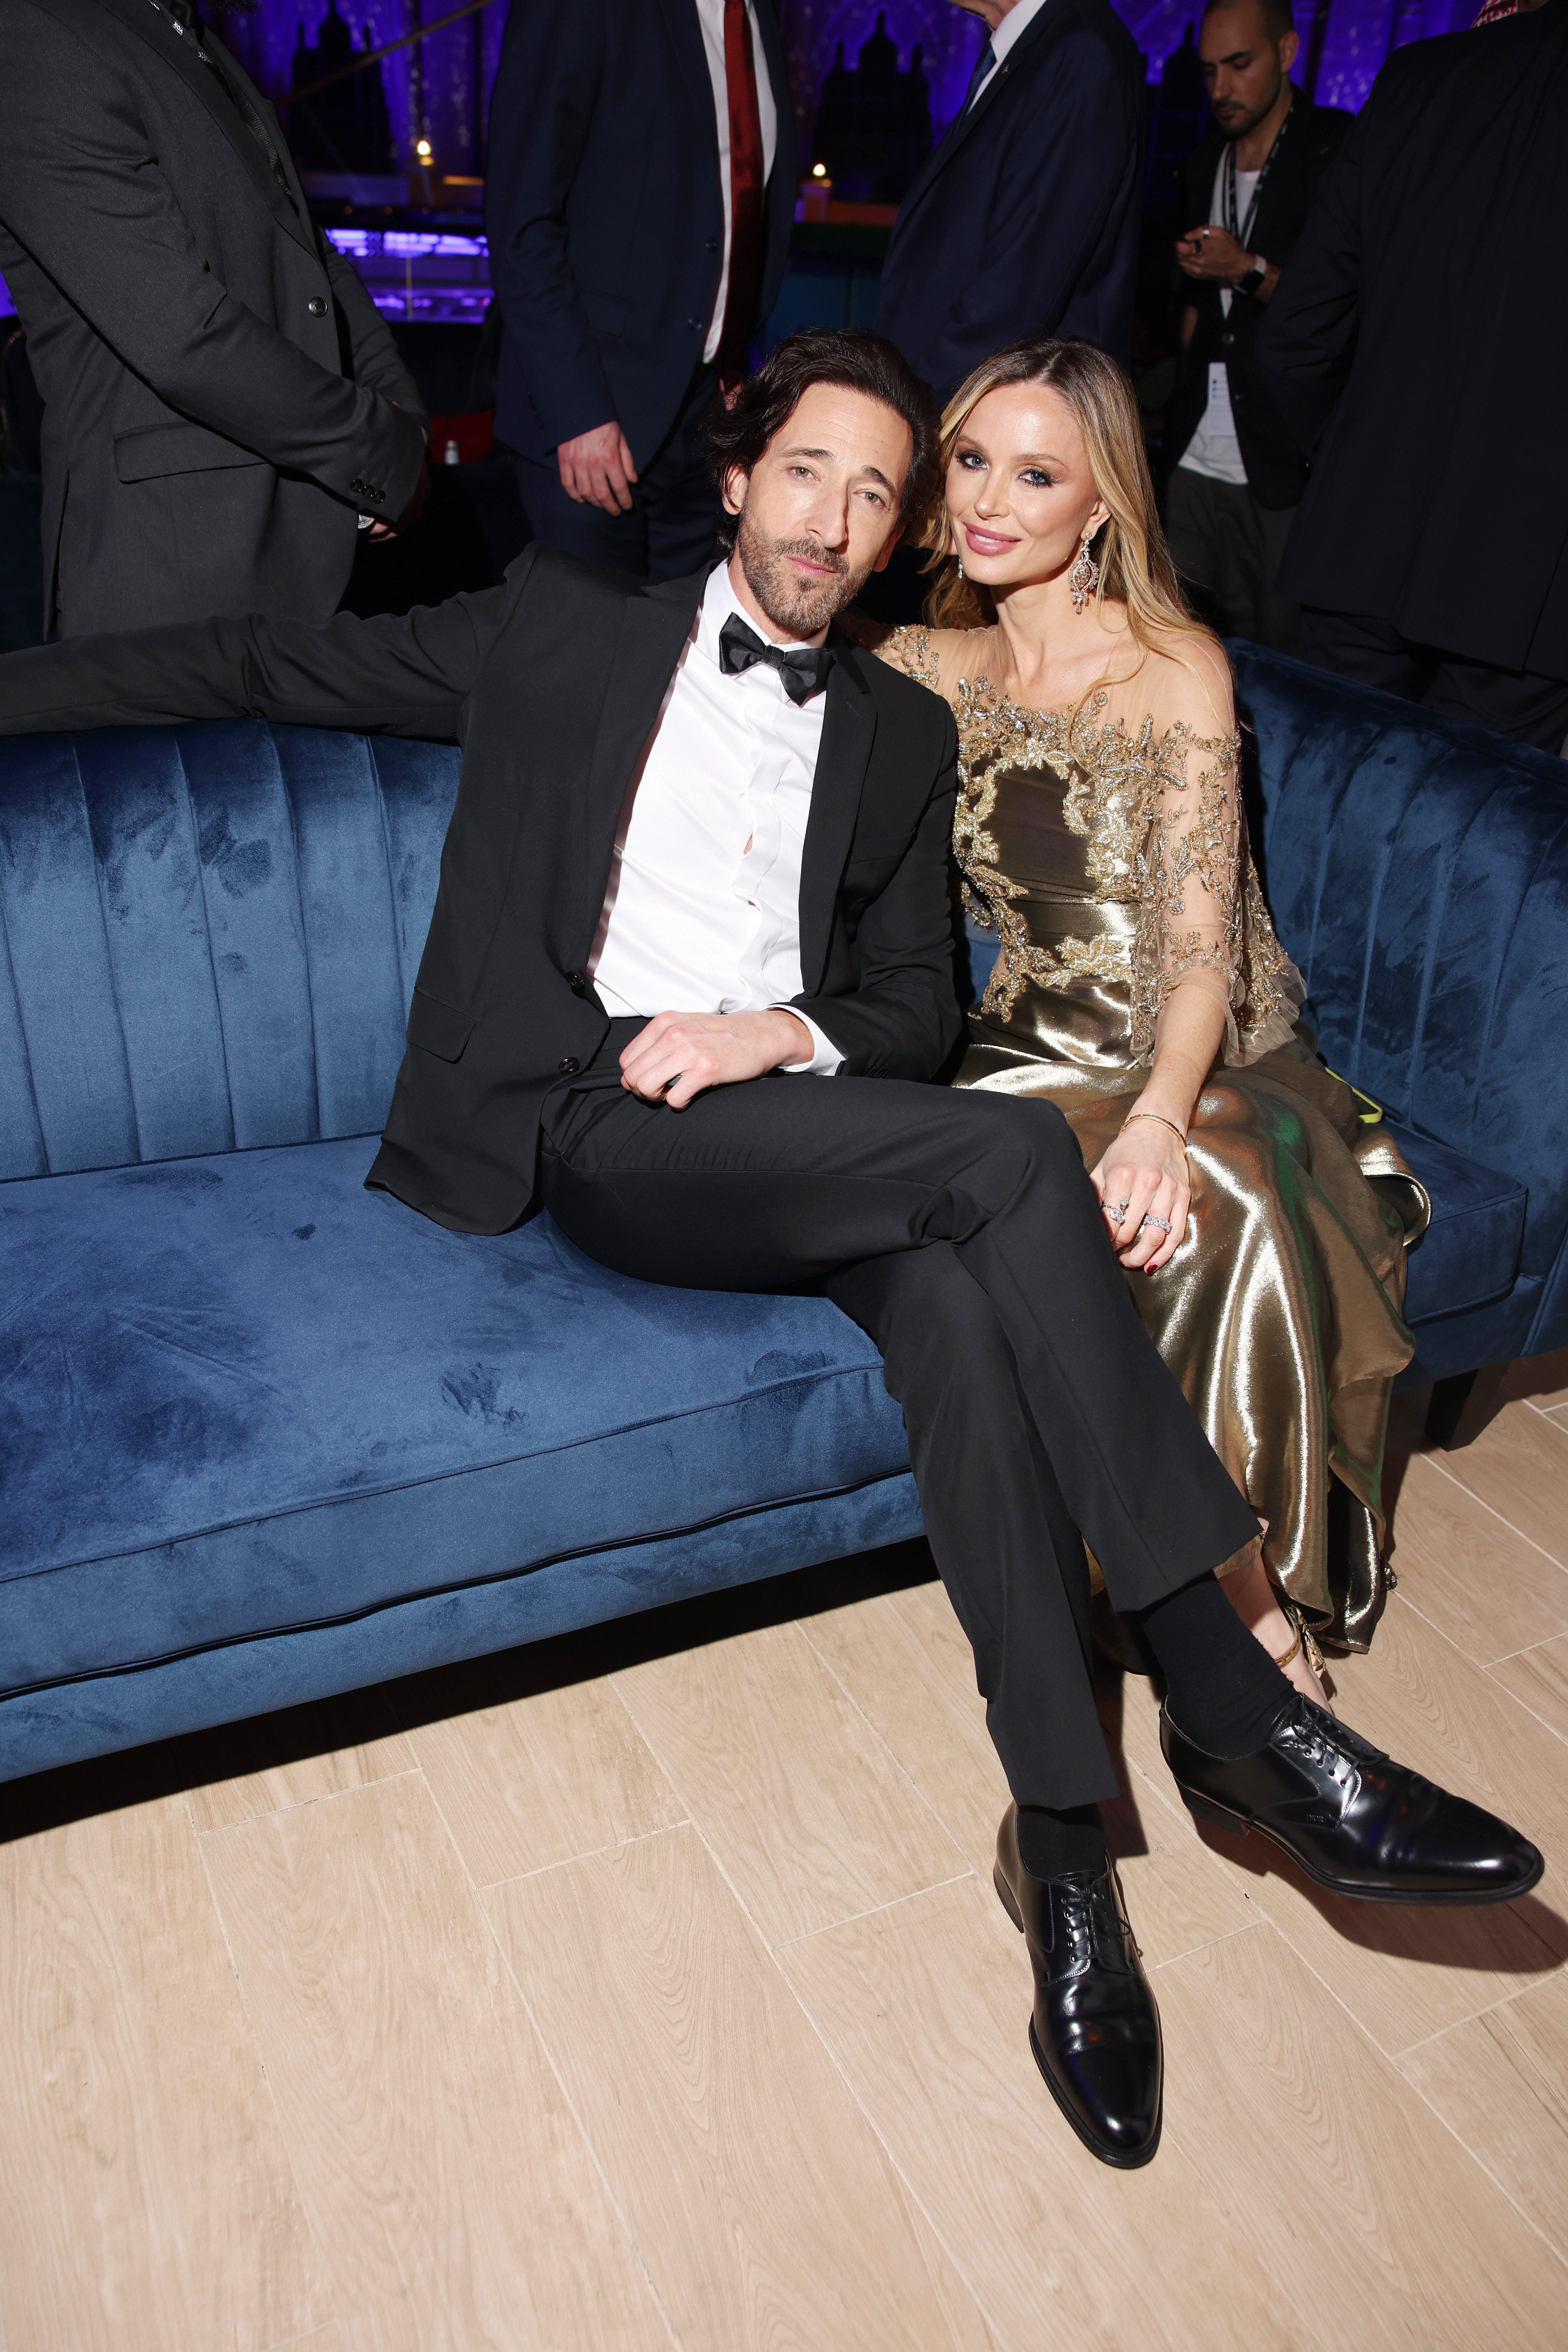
(1051, 1843)
(1225, 1690)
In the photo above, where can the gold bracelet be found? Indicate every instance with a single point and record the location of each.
(1171, 1123)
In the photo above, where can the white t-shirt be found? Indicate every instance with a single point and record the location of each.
(1214, 448)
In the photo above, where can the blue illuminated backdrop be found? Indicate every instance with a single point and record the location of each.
(441, 90)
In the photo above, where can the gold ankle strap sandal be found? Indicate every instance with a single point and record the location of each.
(1305, 1639)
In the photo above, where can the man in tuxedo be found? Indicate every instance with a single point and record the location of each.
(1249, 188)
(1024, 221)
(224, 405)
(639, 194)
(1418, 353)
(689, 972)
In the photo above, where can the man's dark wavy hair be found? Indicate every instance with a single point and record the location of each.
(852, 356)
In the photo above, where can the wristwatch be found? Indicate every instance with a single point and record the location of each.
(1255, 276)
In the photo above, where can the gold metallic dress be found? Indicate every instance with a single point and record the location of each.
(1113, 866)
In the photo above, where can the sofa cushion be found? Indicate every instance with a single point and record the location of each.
(241, 911)
(240, 1394)
(1468, 1255)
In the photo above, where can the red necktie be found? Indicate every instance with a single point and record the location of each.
(745, 282)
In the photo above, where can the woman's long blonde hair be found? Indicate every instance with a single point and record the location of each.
(1135, 567)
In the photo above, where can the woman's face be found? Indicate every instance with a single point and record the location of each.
(1019, 490)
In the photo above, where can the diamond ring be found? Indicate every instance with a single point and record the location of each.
(1163, 1224)
(1118, 1210)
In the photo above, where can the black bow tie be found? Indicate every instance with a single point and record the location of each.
(801, 668)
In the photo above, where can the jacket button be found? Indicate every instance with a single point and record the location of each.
(569, 1066)
(317, 306)
(695, 325)
(712, 245)
(577, 984)
(1227, 339)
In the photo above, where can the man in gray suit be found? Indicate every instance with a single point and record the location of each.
(223, 402)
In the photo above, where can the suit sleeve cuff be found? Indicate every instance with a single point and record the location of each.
(825, 1056)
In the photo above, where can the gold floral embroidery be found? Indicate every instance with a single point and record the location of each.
(909, 649)
(1155, 836)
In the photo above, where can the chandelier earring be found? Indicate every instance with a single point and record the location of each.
(1084, 577)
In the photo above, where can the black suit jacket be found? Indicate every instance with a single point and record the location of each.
(1276, 470)
(553, 683)
(1024, 220)
(218, 386)
(605, 213)
(1438, 498)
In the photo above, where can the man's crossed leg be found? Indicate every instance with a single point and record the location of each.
(961, 1232)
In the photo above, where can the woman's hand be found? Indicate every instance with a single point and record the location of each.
(1144, 1176)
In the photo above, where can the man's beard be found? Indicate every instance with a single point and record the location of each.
(801, 607)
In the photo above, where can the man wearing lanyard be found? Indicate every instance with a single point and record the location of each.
(1238, 474)
(639, 199)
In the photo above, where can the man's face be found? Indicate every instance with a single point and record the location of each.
(819, 511)
(1245, 71)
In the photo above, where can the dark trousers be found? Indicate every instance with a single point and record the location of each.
(1516, 703)
(671, 530)
(1227, 549)
(962, 1234)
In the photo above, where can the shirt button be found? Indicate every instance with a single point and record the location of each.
(317, 306)
(569, 1066)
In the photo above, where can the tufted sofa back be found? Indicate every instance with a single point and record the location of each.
(208, 937)
(1418, 870)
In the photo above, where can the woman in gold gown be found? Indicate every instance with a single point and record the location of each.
(1138, 982)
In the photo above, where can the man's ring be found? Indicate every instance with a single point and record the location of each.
(1163, 1224)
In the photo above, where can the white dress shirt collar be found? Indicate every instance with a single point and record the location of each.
(1011, 31)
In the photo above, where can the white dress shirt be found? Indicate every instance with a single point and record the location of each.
(1009, 33)
(711, 15)
(702, 913)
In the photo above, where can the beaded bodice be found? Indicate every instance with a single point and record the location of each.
(1112, 863)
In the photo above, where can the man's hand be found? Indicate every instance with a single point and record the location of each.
(596, 468)
(1212, 257)
(411, 512)
(679, 1053)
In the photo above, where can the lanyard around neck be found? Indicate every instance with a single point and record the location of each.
(1244, 231)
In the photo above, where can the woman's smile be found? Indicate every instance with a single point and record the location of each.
(983, 541)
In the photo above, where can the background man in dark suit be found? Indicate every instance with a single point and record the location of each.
(639, 198)
(733, 889)
(1248, 186)
(1024, 219)
(222, 398)
(1431, 548)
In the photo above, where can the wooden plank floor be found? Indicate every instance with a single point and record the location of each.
(648, 1988)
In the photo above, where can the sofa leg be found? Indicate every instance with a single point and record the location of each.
(1462, 1405)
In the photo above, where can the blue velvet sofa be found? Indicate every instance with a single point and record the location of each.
(264, 1436)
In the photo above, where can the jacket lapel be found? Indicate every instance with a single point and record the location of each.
(653, 627)
(175, 51)
(963, 127)
(848, 730)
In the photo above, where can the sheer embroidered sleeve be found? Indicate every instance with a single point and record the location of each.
(1201, 919)
(911, 650)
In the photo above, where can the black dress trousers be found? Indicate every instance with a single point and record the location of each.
(962, 1234)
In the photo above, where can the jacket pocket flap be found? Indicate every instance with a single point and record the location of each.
(154, 450)
(436, 1028)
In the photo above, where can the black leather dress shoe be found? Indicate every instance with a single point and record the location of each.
(1095, 2032)
(1352, 1818)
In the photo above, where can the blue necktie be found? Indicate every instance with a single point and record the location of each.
(983, 64)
